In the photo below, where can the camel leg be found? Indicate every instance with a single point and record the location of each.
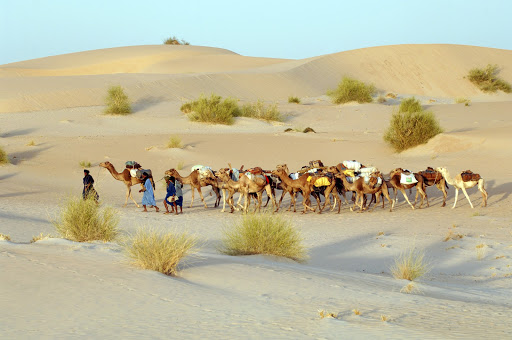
(129, 194)
(192, 199)
(407, 199)
(481, 187)
(305, 200)
(456, 197)
(201, 195)
(223, 200)
(271, 193)
(466, 194)
(441, 187)
(283, 193)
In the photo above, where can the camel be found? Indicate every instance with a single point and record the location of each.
(227, 184)
(126, 178)
(394, 180)
(255, 185)
(196, 183)
(361, 188)
(301, 184)
(438, 181)
(458, 183)
(286, 189)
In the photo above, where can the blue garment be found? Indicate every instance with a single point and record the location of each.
(171, 191)
(178, 187)
(179, 201)
(149, 196)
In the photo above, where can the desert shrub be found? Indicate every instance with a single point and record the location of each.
(381, 99)
(84, 164)
(83, 221)
(463, 100)
(186, 108)
(410, 105)
(40, 237)
(152, 250)
(174, 142)
(175, 41)
(261, 111)
(214, 110)
(264, 234)
(31, 143)
(293, 99)
(180, 165)
(4, 159)
(411, 126)
(117, 101)
(352, 90)
(4, 237)
(487, 79)
(410, 265)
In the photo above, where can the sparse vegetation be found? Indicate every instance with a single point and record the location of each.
(174, 142)
(264, 234)
(381, 99)
(452, 236)
(384, 318)
(323, 314)
(180, 165)
(31, 143)
(410, 265)
(84, 164)
(4, 158)
(261, 111)
(462, 100)
(481, 250)
(117, 101)
(306, 130)
(487, 79)
(212, 110)
(409, 288)
(175, 41)
(391, 95)
(83, 221)
(4, 237)
(293, 99)
(356, 311)
(40, 237)
(411, 126)
(350, 89)
(152, 250)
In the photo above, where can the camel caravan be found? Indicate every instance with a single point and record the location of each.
(366, 184)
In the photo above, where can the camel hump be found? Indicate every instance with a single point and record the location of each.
(469, 175)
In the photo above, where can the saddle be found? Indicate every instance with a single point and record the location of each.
(132, 165)
(468, 175)
(256, 170)
(431, 175)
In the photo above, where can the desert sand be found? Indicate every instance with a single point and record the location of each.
(56, 288)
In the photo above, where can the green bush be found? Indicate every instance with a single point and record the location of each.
(410, 105)
(174, 142)
(4, 159)
(83, 221)
(487, 79)
(213, 110)
(409, 129)
(264, 234)
(352, 90)
(117, 101)
(293, 99)
(261, 111)
(175, 41)
(160, 252)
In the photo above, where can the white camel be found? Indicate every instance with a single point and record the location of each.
(458, 183)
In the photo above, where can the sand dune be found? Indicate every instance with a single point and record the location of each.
(52, 119)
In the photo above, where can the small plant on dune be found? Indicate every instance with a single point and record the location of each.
(452, 236)
(350, 89)
(356, 311)
(180, 165)
(263, 234)
(481, 250)
(410, 265)
(487, 79)
(117, 101)
(186, 107)
(411, 126)
(462, 100)
(261, 111)
(381, 99)
(384, 318)
(4, 159)
(293, 99)
(174, 142)
(31, 143)
(213, 110)
(175, 41)
(323, 314)
(391, 95)
(409, 288)
(84, 164)
(83, 221)
(4, 237)
(40, 237)
(160, 252)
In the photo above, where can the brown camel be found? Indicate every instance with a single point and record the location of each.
(254, 185)
(301, 184)
(361, 188)
(227, 184)
(196, 183)
(431, 178)
(394, 180)
(126, 178)
(287, 189)
(458, 183)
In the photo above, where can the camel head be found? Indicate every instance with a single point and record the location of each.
(171, 172)
(279, 171)
(106, 164)
(332, 169)
(441, 170)
(283, 167)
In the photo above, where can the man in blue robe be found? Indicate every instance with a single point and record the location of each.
(149, 196)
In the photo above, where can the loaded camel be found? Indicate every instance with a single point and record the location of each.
(458, 183)
(431, 178)
(255, 185)
(361, 188)
(394, 180)
(126, 178)
(196, 183)
(227, 184)
(301, 184)
(286, 189)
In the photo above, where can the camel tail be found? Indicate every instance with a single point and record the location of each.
(446, 184)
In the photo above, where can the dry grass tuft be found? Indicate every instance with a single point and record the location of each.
(452, 236)
(84, 164)
(31, 143)
(293, 99)
(83, 221)
(4, 237)
(410, 265)
(40, 237)
(260, 110)
(384, 318)
(323, 314)
(481, 250)
(410, 288)
(264, 234)
(356, 311)
(462, 100)
(4, 159)
(391, 95)
(174, 142)
(180, 165)
(160, 252)
(175, 41)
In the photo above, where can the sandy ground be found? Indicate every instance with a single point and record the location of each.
(56, 288)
